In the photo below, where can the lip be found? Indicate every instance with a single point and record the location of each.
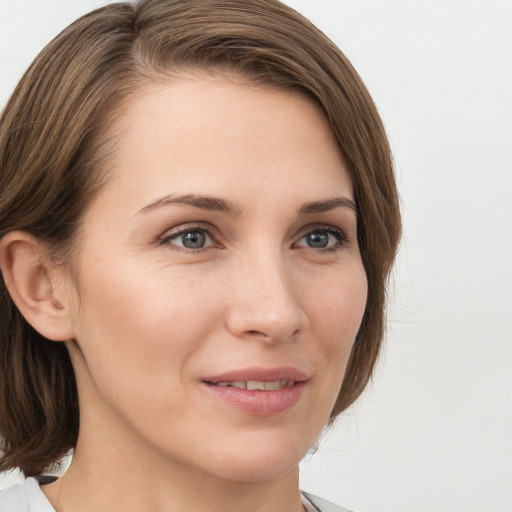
(258, 373)
(258, 403)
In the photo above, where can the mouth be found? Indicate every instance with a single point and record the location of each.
(258, 391)
(258, 378)
(255, 385)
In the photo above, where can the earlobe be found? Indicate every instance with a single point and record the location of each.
(31, 284)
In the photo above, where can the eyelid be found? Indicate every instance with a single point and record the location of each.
(342, 237)
(173, 233)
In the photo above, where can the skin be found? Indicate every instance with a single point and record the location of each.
(151, 318)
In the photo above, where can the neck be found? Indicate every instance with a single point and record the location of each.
(113, 472)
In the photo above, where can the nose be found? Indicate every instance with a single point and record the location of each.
(264, 301)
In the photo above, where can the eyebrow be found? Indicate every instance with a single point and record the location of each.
(202, 202)
(326, 205)
(234, 209)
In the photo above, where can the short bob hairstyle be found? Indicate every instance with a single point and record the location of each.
(56, 140)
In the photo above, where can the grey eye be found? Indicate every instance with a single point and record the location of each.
(193, 239)
(323, 238)
(317, 239)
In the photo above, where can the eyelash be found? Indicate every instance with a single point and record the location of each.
(340, 236)
(187, 229)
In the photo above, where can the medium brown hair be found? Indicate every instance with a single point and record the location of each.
(54, 145)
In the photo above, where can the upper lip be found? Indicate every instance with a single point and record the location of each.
(259, 374)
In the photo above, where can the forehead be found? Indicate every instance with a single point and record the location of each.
(210, 134)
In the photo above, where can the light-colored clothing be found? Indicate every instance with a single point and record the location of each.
(28, 497)
(315, 504)
(24, 497)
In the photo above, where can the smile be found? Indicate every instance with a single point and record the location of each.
(257, 385)
(258, 391)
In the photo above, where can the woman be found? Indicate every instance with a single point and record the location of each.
(198, 215)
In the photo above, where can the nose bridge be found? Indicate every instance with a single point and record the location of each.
(265, 302)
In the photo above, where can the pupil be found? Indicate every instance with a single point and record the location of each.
(194, 240)
(318, 239)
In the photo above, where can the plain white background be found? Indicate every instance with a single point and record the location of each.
(433, 432)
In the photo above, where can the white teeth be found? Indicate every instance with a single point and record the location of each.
(257, 385)
(277, 384)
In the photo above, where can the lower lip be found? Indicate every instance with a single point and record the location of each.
(259, 403)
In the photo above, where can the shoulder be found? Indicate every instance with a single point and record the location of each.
(14, 499)
(24, 497)
(320, 505)
(28, 497)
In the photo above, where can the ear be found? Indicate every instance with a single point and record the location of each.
(36, 286)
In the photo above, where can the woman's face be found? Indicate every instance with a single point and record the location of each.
(219, 281)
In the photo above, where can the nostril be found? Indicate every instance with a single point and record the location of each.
(268, 322)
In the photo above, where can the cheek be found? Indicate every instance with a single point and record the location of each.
(336, 314)
(339, 306)
(145, 319)
(137, 335)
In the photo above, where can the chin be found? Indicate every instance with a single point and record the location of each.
(249, 471)
(267, 459)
